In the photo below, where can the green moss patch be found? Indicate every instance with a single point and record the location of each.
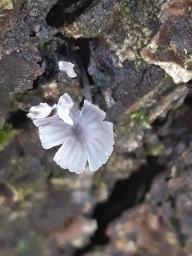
(6, 134)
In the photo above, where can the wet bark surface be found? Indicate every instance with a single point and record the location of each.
(136, 57)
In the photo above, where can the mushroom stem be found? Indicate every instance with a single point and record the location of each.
(85, 82)
(86, 87)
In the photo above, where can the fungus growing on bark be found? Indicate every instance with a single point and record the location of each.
(84, 135)
(67, 67)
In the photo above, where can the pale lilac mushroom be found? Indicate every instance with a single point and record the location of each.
(84, 135)
(67, 67)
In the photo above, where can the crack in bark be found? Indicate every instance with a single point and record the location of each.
(126, 194)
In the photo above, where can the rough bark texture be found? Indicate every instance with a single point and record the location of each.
(137, 57)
